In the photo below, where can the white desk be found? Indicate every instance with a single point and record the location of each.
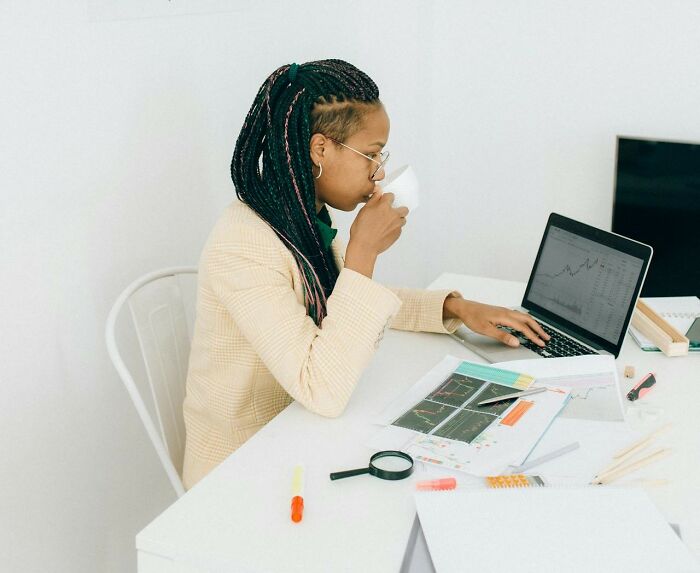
(237, 518)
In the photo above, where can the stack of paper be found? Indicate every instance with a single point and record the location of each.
(591, 530)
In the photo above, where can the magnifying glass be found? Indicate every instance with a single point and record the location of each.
(387, 464)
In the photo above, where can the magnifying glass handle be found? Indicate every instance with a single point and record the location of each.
(349, 473)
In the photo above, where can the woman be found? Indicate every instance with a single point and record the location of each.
(284, 312)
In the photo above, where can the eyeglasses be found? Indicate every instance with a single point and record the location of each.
(383, 157)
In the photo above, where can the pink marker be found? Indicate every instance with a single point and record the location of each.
(642, 387)
(436, 484)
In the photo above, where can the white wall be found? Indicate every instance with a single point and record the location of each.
(528, 100)
(115, 143)
(115, 140)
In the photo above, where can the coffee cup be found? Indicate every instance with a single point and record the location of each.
(404, 185)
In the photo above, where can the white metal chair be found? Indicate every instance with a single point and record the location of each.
(162, 311)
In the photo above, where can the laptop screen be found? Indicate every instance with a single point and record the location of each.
(587, 279)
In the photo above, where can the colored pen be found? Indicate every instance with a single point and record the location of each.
(511, 396)
(642, 387)
(298, 493)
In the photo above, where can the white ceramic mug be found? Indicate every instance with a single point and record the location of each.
(404, 185)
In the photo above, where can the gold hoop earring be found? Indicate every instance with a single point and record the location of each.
(320, 170)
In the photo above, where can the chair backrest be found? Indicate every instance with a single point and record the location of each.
(161, 309)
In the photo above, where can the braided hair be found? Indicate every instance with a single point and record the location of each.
(271, 166)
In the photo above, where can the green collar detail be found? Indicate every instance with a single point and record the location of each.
(323, 222)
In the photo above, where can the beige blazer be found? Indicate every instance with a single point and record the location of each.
(255, 349)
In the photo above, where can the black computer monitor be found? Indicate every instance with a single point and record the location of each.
(657, 202)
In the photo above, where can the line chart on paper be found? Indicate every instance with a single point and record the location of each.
(593, 396)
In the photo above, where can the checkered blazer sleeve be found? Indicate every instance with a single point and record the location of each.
(255, 279)
(421, 310)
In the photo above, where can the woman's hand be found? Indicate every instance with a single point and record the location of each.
(485, 319)
(377, 226)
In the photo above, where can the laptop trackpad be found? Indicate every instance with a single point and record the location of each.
(491, 349)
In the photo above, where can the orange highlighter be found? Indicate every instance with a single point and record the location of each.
(298, 493)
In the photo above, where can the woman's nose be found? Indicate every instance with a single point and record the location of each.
(379, 175)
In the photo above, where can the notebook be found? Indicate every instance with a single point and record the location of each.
(678, 311)
(583, 529)
(582, 290)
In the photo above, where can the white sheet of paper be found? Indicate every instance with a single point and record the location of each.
(594, 383)
(593, 416)
(598, 442)
(586, 530)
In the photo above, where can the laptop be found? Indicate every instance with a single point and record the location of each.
(582, 290)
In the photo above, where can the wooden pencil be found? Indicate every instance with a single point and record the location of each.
(637, 445)
(624, 470)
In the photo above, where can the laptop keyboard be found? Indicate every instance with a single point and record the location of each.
(556, 347)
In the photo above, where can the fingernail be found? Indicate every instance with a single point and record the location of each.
(514, 342)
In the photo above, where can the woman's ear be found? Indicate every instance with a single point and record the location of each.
(317, 148)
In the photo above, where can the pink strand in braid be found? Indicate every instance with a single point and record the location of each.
(291, 172)
(315, 292)
(270, 83)
(289, 156)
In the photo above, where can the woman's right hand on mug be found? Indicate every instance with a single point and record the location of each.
(377, 226)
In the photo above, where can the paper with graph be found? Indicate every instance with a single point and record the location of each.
(438, 420)
(595, 393)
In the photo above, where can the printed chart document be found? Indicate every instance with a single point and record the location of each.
(439, 421)
(595, 387)
(593, 416)
(574, 529)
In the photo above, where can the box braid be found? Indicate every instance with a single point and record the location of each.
(271, 166)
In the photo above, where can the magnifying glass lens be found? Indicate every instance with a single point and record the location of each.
(388, 464)
(392, 464)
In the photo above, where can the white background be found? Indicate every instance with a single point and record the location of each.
(115, 142)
